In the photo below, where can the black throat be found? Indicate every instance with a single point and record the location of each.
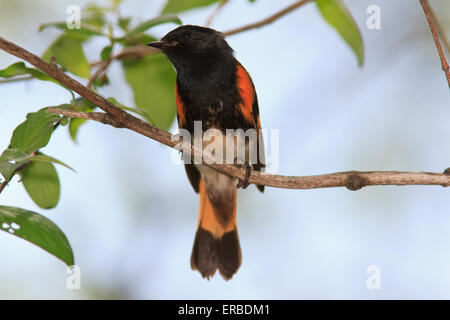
(209, 93)
(206, 74)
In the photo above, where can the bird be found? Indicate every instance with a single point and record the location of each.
(213, 87)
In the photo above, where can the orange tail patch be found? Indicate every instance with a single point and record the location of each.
(216, 246)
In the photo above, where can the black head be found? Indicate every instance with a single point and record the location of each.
(189, 45)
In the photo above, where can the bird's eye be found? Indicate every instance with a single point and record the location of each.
(187, 36)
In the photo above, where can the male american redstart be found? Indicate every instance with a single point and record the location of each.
(212, 87)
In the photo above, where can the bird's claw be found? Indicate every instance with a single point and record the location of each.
(244, 183)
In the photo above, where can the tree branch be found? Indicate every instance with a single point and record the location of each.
(352, 180)
(116, 117)
(215, 12)
(427, 9)
(267, 20)
(440, 30)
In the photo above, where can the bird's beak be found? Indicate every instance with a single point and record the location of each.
(156, 44)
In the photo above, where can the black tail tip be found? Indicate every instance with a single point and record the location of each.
(210, 254)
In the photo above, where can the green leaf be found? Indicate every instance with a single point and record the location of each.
(7, 169)
(19, 68)
(84, 105)
(152, 80)
(101, 81)
(35, 132)
(74, 125)
(154, 22)
(140, 38)
(41, 181)
(14, 155)
(96, 10)
(116, 2)
(106, 52)
(92, 23)
(81, 104)
(94, 16)
(84, 33)
(38, 230)
(144, 114)
(124, 23)
(44, 158)
(68, 53)
(64, 121)
(10, 161)
(337, 15)
(57, 25)
(173, 6)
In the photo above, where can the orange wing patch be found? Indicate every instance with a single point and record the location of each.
(247, 92)
(180, 108)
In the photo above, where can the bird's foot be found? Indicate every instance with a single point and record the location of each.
(244, 183)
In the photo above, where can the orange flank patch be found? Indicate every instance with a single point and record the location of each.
(180, 108)
(247, 92)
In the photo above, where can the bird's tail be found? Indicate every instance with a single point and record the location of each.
(216, 244)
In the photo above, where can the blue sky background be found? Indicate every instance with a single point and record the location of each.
(130, 213)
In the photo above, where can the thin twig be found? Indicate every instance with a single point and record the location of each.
(267, 20)
(139, 51)
(3, 185)
(215, 12)
(115, 116)
(135, 52)
(426, 8)
(440, 30)
(101, 68)
(15, 79)
(96, 116)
